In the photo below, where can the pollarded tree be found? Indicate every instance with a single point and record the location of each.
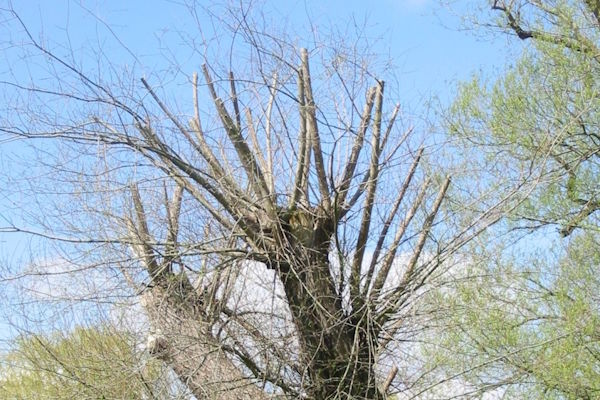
(296, 175)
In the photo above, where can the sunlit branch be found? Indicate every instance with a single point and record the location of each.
(390, 218)
(411, 270)
(268, 136)
(140, 231)
(390, 256)
(253, 171)
(363, 232)
(234, 100)
(303, 159)
(349, 170)
(313, 132)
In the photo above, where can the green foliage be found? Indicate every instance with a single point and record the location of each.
(89, 363)
(540, 123)
(528, 326)
(534, 333)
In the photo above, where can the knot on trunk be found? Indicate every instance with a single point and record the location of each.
(309, 228)
(157, 345)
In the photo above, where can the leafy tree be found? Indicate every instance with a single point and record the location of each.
(525, 332)
(541, 118)
(87, 363)
(278, 229)
(528, 326)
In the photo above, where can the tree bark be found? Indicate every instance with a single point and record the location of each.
(183, 339)
(335, 343)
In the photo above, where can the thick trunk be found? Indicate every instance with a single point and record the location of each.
(184, 341)
(338, 349)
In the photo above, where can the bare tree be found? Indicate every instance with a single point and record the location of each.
(298, 174)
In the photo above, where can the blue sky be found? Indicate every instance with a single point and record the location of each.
(421, 38)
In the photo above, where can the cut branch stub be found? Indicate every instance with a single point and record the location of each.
(141, 236)
(410, 275)
(357, 146)
(391, 216)
(300, 191)
(173, 209)
(365, 223)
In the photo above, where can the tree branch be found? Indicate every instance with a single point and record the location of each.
(411, 268)
(388, 222)
(365, 224)
(253, 171)
(300, 190)
(391, 254)
(313, 133)
(350, 168)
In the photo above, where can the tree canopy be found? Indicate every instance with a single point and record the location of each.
(271, 171)
(527, 325)
(276, 229)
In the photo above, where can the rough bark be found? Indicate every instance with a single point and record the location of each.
(335, 343)
(183, 338)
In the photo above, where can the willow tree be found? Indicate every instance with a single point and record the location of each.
(538, 336)
(277, 232)
(542, 115)
(74, 365)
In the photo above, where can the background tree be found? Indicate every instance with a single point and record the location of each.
(74, 365)
(542, 116)
(527, 327)
(278, 229)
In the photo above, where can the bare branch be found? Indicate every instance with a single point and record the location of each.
(391, 254)
(253, 171)
(425, 229)
(234, 100)
(173, 209)
(269, 170)
(231, 189)
(303, 159)
(255, 143)
(313, 132)
(579, 44)
(348, 174)
(365, 224)
(390, 126)
(167, 156)
(196, 106)
(390, 378)
(388, 222)
(140, 231)
(411, 271)
(163, 107)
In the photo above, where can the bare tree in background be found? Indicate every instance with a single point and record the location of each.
(295, 173)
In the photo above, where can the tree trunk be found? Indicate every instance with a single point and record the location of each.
(183, 339)
(337, 346)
